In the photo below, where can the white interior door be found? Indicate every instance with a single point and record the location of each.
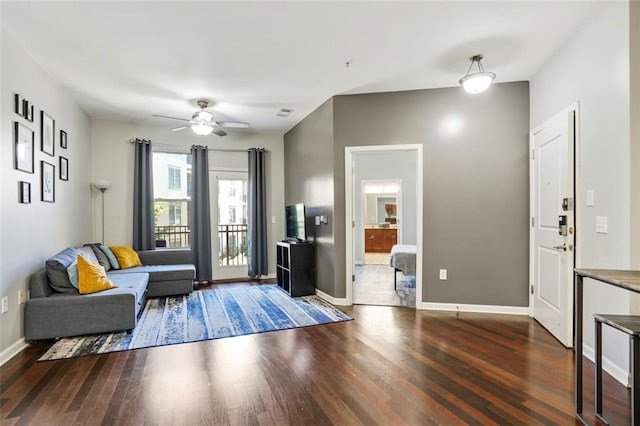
(552, 147)
(228, 198)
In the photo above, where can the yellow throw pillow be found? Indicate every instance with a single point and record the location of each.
(127, 257)
(92, 277)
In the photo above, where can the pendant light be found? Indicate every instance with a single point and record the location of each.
(479, 81)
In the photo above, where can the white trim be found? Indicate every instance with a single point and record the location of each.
(483, 309)
(337, 301)
(618, 373)
(12, 351)
(348, 190)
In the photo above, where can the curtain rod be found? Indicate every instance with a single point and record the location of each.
(186, 148)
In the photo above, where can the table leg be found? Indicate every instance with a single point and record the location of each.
(578, 300)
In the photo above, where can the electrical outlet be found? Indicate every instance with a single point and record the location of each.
(5, 305)
(21, 297)
(443, 274)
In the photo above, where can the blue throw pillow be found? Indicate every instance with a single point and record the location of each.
(112, 258)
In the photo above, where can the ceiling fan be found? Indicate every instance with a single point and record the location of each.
(202, 122)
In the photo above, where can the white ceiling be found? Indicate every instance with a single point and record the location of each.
(129, 60)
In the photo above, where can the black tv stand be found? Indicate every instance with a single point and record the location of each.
(295, 268)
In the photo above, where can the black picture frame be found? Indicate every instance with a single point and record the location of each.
(64, 169)
(24, 141)
(47, 133)
(47, 182)
(63, 139)
(18, 102)
(28, 110)
(24, 192)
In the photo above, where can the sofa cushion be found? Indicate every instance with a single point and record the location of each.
(161, 272)
(92, 277)
(72, 270)
(103, 260)
(56, 267)
(127, 257)
(128, 282)
(112, 258)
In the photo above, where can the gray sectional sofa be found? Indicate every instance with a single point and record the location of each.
(53, 311)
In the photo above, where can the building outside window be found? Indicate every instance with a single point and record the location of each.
(172, 199)
(175, 214)
(174, 177)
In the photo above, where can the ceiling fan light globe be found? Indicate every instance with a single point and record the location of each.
(202, 129)
(203, 116)
(477, 82)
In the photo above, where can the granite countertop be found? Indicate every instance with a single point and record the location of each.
(378, 226)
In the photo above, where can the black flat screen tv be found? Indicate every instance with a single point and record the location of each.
(296, 227)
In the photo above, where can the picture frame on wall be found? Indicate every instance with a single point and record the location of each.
(64, 168)
(28, 110)
(24, 192)
(24, 141)
(63, 139)
(47, 133)
(19, 105)
(47, 182)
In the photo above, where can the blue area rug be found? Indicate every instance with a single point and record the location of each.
(232, 310)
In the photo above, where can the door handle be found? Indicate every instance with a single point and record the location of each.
(562, 247)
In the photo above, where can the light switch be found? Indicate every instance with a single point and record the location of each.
(590, 201)
(601, 224)
(273, 219)
(317, 220)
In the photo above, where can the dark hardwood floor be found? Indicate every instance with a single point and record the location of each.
(389, 366)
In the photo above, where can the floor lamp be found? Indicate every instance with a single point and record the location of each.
(102, 185)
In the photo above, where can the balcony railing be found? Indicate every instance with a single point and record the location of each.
(232, 241)
(173, 236)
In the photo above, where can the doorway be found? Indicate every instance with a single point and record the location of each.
(383, 203)
(553, 235)
(228, 198)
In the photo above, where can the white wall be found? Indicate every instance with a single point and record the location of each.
(30, 233)
(113, 160)
(593, 68)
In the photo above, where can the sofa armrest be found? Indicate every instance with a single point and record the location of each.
(72, 315)
(166, 257)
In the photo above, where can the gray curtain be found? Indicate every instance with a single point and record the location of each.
(143, 217)
(200, 216)
(257, 214)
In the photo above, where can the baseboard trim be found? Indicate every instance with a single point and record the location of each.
(12, 351)
(610, 367)
(337, 301)
(485, 309)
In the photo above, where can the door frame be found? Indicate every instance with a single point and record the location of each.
(577, 201)
(349, 219)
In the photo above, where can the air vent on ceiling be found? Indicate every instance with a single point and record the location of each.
(284, 112)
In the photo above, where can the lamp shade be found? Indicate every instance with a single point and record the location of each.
(102, 184)
(477, 82)
(202, 129)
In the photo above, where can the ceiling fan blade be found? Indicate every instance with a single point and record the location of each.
(219, 132)
(172, 118)
(233, 124)
(175, 129)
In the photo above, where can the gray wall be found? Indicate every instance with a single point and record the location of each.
(308, 177)
(476, 197)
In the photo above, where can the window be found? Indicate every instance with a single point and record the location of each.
(175, 214)
(172, 199)
(232, 214)
(232, 190)
(174, 177)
